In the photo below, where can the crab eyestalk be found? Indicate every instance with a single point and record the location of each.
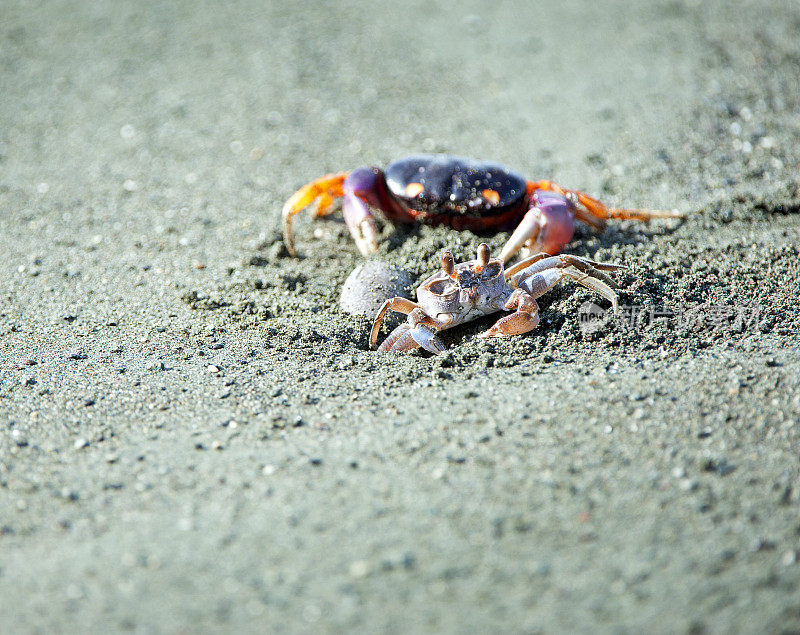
(448, 264)
(483, 254)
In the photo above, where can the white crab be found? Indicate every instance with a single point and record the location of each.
(469, 290)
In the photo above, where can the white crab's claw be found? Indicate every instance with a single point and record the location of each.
(426, 338)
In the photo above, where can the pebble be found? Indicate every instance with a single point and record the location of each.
(19, 438)
(80, 443)
(789, 558)
(761, 544)
(68, 494)
(359, 569)
(687, 484)
(370, 284)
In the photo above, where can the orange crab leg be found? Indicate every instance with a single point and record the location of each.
(323, 190)
(598, 213)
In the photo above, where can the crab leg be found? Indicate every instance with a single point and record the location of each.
(522, 264)
(537, 274)
(405, 338)
(360, 189)
(524, 319)
(324, 189)
(397, 304)
(601, 212)
(565, 261)
(541, 282)
(417, 318)
(547, 226)
(420, 330)
(398, 334)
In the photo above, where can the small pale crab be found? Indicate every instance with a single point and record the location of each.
(462, 292)
(461, 193)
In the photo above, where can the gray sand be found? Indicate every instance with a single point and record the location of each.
(193, 436)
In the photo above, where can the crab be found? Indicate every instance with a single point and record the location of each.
(439, 189)
(459, 293)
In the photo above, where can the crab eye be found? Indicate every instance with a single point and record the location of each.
(440, 287)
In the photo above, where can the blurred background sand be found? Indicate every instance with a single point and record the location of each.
(194, 437)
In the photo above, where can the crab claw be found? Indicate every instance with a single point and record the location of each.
(547, 226)
(425, 336)
(407, 338)
(361, 223)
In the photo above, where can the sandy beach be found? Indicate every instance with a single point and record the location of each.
(194, 437)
